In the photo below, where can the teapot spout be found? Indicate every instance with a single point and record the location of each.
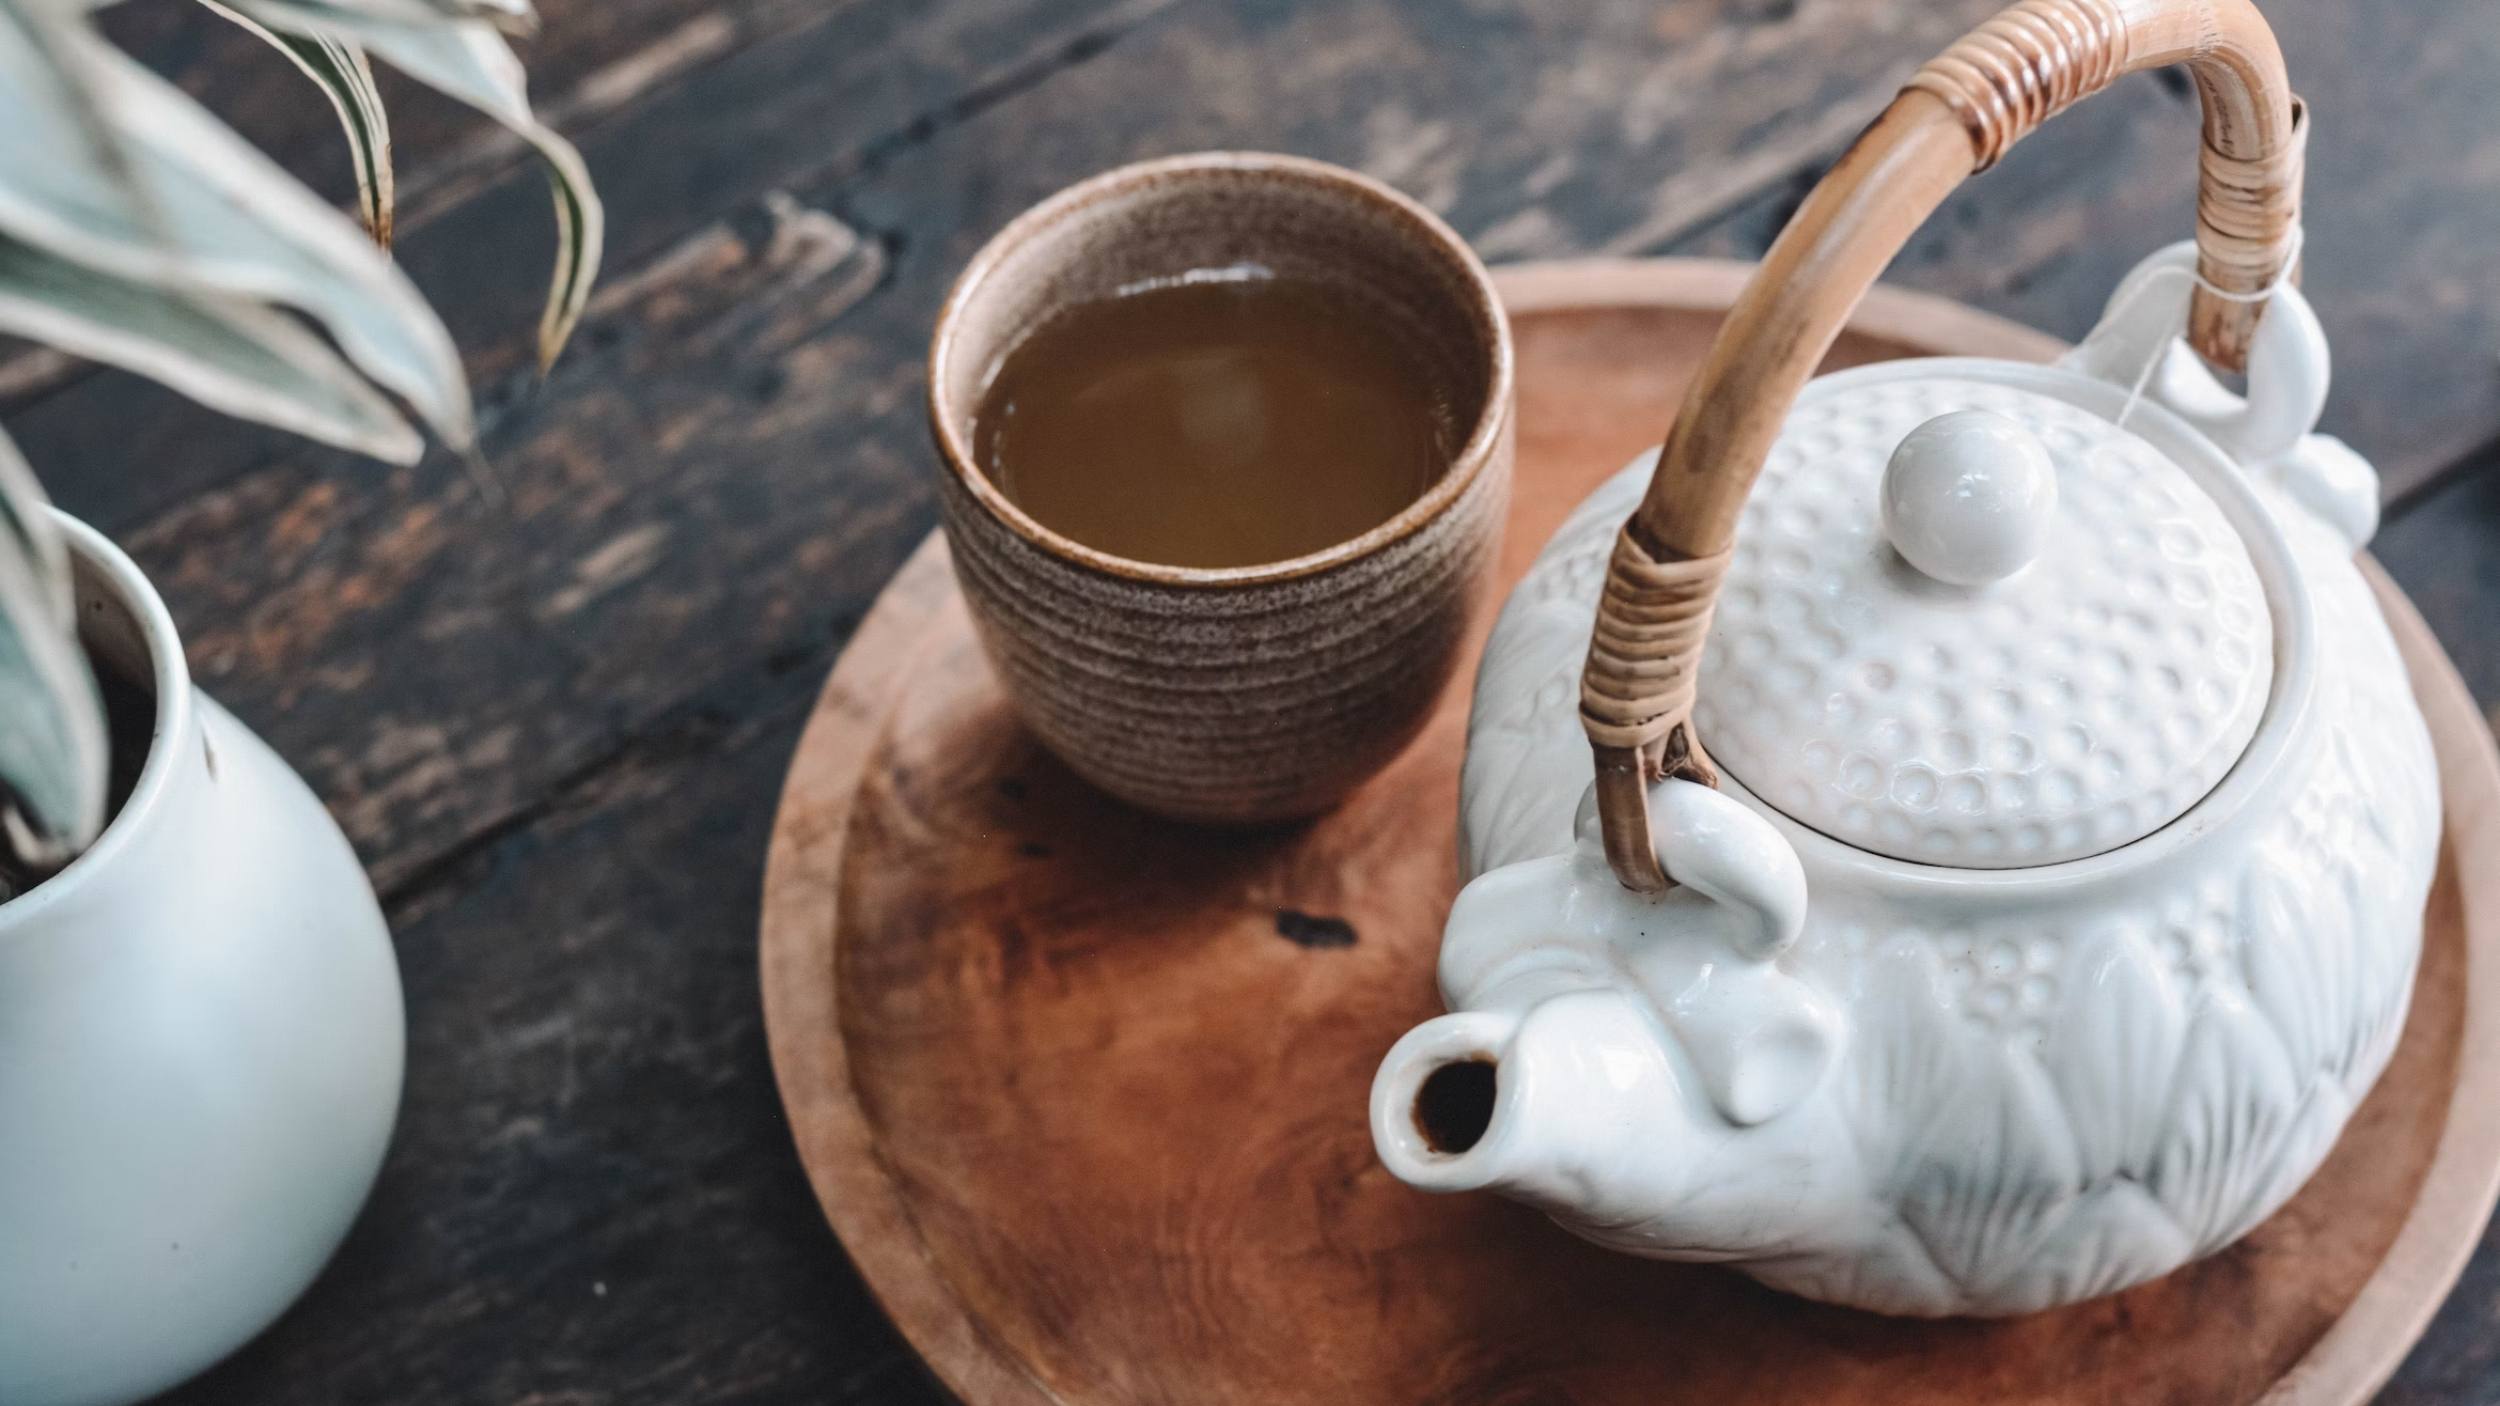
(1586, 1107)
(1435, 1100)
(1574, 1105)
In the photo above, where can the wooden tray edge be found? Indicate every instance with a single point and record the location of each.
(831, 1131)
(857, 1194)
(1712, 285)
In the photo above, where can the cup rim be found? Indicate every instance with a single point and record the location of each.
(1466, 466)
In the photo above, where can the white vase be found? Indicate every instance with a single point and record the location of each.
(201, 1041)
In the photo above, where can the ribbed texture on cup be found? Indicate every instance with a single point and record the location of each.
(1256, 701)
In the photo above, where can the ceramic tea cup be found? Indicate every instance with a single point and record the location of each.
(1236, 694)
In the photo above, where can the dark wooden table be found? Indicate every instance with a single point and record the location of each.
(556, 726)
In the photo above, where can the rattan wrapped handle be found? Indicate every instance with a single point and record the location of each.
(1955, 117)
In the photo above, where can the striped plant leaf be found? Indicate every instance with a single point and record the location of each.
(510, 16)
(471, 62)
(137, 229)
(199, 211)
(344, 76)
(53, 744)
(228, 353)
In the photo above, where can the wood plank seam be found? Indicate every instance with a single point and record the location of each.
(704, 721)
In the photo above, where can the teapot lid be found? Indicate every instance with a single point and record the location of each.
(1972, 624)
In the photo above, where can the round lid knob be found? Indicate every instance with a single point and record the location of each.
(2098, 661)
(1968, 497)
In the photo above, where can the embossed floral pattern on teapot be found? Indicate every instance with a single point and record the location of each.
(2006, 864)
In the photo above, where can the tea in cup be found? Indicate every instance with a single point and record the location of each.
(1228, 442)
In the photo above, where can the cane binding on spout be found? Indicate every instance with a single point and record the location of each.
(1956, 116)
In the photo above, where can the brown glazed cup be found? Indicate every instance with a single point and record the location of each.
(1248, 693)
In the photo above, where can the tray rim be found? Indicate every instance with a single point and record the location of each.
(838, 1150)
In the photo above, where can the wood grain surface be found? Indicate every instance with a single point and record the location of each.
(555, 727)
(1086, 1098)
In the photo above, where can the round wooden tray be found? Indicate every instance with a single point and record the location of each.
(1084, 1092)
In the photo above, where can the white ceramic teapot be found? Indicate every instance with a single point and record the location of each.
(2061, 887)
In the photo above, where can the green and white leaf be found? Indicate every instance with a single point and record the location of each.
(510, 16)
(199, 211)
(471, 62)
(136, 229)
(53, 743)
(344, 76)
(228, 353)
